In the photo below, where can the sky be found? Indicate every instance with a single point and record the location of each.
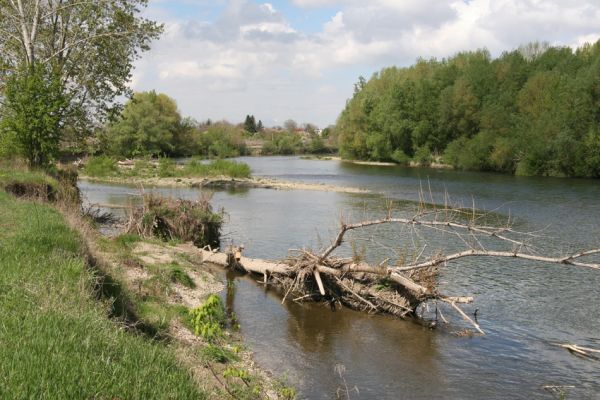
(299, 59)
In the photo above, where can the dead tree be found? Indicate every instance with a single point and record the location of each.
(400, 288)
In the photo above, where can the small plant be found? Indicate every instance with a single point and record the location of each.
(208, 319)
(178, 275)
(127, 239)
(166, 168)
(218, 354)
(232, 372)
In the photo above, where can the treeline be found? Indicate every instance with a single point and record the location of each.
(151, 125)
(532, 111)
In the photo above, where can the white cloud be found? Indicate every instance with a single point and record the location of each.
(252, 59)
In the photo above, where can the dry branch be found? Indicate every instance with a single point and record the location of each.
(397, 289)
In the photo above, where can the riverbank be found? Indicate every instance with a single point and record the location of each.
(223, 182)
(81, 309)
(411, 164)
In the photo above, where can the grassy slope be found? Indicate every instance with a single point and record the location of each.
(55, 338)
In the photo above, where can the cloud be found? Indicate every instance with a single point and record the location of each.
(246, 57)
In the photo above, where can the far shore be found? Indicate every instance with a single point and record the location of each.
(412, 164)
(225, 182)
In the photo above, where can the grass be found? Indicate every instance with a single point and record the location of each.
(106, 167)
(56, 340)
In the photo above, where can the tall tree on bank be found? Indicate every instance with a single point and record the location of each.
(150, 125)
(87, 47)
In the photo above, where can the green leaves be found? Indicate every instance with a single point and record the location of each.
(208, 320)
(89, 47)
(532, 111)
(34, 107)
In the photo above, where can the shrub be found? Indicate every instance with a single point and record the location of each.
(401, 158)
(166, 168)
(101, 166)
(208, 319)
(177, 219)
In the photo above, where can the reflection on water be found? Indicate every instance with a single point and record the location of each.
(524, 307)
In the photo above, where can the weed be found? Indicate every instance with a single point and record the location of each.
(208, 319)
(178, 275)
(218, 354)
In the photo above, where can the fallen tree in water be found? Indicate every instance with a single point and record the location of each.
(397, 289)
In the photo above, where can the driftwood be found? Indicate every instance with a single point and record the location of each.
(581, 351)
(393, 289)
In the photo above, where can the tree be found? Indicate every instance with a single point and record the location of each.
(34, 103)
(89, 45)
(259, 126)
(149, 125)
(290, 125)
(250, 124)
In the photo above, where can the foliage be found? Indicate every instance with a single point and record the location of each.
(55, 330)
(89, 47)
(208, 319)
(33, 111)
(532, 111)
(283, 144)
(149, 125)
(101, 166)
(178, 275)
(227, 168)
(250, 124)
(212, 352)
(220, 140)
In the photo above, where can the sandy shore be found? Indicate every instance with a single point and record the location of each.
(225, 182)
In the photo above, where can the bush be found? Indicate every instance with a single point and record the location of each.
(401, 158)
(423, 156)
(217, 168)
(166, 168)
(208, 319)
(101, 166)
(177, 219)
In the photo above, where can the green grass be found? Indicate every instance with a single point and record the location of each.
(56, 341)
(217, 168)
(8, 175)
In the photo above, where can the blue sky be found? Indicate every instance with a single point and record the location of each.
(299, 59)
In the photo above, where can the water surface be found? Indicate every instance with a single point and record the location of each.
(524, 307)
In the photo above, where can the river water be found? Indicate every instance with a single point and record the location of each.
(526, 308)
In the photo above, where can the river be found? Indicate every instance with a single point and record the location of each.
(524, 307)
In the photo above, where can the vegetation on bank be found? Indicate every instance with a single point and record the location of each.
(81, 308)
(532, 111)
(56, 331)
(151, 126)
(106, 167)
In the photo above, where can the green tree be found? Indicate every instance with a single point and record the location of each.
(149, 125)
(34, 104)
(250, 124)
(89, 45)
